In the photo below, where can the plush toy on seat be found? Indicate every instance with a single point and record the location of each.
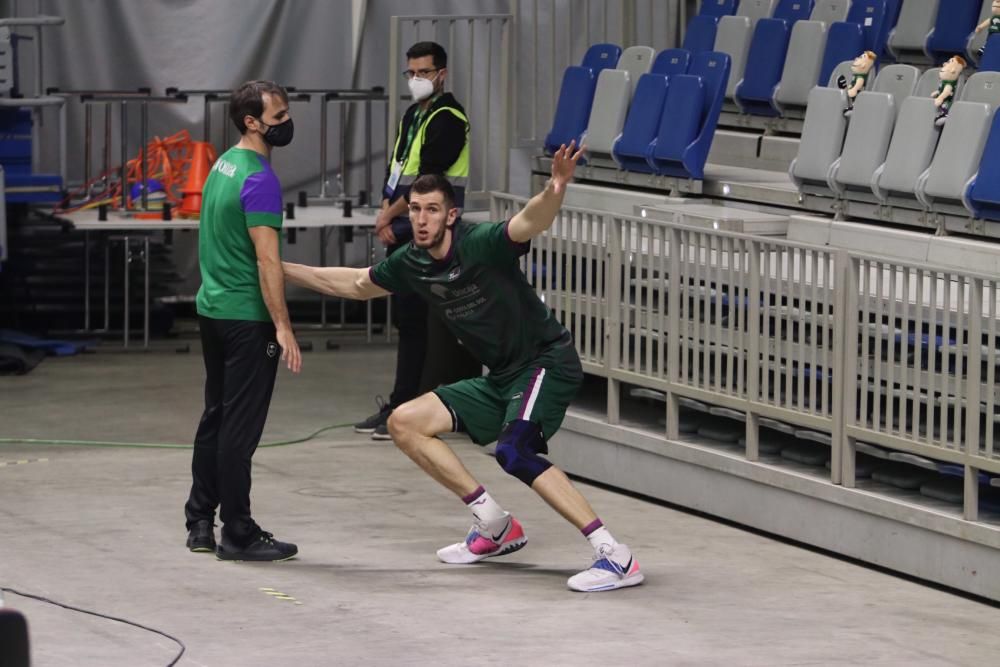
(860, 69)
(945, 93)
(993, 22)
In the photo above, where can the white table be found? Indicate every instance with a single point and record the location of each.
(322, 218)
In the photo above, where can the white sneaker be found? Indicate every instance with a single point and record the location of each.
(613, 567)
(486, 539)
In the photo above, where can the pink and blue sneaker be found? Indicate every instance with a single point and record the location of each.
(486, 539)
(613, 567)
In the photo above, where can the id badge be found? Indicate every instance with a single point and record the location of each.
(394, 174)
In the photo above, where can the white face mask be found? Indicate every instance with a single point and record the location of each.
(421, 89)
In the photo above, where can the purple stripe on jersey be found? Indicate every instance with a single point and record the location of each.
(474, 495)
(591, 527)
(528, 391)
(371, 276)
(522, 247)
(261, 192)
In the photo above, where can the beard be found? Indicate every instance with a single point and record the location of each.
(434, 242)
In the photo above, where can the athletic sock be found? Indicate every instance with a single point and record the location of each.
(597, 534)
(483, 507)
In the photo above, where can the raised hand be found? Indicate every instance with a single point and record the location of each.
(564, 164)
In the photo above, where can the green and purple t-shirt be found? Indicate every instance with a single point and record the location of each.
(241, 191)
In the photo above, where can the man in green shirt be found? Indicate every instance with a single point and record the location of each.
(244, 325)
(469, 275)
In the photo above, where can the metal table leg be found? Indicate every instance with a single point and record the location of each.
(86, 281)
(341, 252)
(145, 317)
(322, 262)
(125, 323)
(107, 285)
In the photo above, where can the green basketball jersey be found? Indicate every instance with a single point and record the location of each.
(241, 191)
(479, 291)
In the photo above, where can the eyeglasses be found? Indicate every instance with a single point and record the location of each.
(422, 73)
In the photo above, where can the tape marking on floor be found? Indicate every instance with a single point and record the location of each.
(278, 595)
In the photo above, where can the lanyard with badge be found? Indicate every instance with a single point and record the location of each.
(397, 164)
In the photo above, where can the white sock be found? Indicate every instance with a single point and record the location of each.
(483, 507)
(597, 535)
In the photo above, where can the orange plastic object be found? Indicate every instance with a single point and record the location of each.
(202, 159)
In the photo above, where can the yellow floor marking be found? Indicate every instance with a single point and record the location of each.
(278, 595)
(21, 462)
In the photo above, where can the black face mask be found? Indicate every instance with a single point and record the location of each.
(279, 135)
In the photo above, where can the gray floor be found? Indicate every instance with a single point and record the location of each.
(102, 528)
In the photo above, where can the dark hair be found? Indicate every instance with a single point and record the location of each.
(421, 49)
(429, 183)
(248, 100)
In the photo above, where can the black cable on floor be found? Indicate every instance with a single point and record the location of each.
(105, 616)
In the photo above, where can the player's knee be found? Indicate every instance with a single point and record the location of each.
(401, 422)
(518, 449)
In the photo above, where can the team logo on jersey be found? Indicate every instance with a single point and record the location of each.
(272, 350)
(455, 273)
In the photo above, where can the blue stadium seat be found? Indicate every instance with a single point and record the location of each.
(866, 29)
(717, 8)
(642, 123)
(956, 19)
(601, 56)
(690, 115)
(576, 95)
(643, 118)
(990, 62)
(700, 34)
(766, 58)
(983, 197)
(671, 61)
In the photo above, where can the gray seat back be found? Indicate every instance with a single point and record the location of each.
(959, 150)
(830, 11)
(912, 146)
(756, 9)
(733, 38)
(822, 135)
(982, 87)
(636, 61)
(868, 136)
(928, 82)
(802, 64)
(898, 81)
(607, 114)
(916, 21)
(841, 70)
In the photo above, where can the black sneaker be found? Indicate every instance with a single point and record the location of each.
(263, 548)
(371, 423)
(201, 537)
(381, 431)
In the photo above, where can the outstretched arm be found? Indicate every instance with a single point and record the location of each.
(541, 210)
(348, 283)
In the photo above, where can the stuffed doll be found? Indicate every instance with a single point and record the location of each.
(860, 69)
(945, 93)
(993, 22)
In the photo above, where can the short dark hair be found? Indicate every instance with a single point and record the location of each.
(429, 183)
(248, 100)
(421, 49)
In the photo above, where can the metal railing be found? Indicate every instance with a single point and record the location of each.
(480, 54)
(851, 347)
